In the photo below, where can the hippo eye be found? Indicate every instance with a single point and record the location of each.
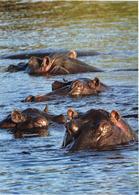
(72, 128)
(104, 128)
(40, 123)
(75, 128)
(33, 61)
(77, 84)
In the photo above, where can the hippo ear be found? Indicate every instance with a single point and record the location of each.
(115, 115)
(96, 81)
(72, 54)
(46, 61)
(71, 113)
(46, 109)
(17, 116)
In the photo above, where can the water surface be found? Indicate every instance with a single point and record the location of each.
(37, 165)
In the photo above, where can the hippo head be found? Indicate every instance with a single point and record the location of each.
(86, 87)
(27, 121)
(38, 65)
(102, 130)
(24, 120)
(49, 64)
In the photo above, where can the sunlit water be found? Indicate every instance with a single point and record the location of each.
(38, 165)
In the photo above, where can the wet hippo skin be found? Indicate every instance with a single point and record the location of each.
(96, 129)
(30, 121)
(57, 64)
(47, 52)
(75, 88)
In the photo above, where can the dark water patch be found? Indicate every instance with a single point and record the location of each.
(1, 106)
(135, 108)
(129, 69)
(47, 52)
(25, 152)
(131, 116)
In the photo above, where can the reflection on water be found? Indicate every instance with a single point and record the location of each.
(37, 165)
(63, 25)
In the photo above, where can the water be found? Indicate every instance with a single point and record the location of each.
(38, 165)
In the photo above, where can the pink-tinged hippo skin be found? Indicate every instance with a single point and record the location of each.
(97, 130)
(56, 64)
(30, 121)
(75, 88)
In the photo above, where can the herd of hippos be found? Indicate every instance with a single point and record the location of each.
(95, 129)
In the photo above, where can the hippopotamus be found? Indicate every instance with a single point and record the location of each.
(30, 121)
(56, 64)
(97, 130)
(75, 88)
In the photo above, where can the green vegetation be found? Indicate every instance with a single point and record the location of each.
(64, 13)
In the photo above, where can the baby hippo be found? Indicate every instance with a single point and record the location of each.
(96, 129)
(30, 121)
(75, 88)
(56, 64)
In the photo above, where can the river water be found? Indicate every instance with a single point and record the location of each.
(38, 165)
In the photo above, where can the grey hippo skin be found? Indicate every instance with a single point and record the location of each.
(47, 52)
(96, 129)
(56, 64)
(75, 88)
(30, 121)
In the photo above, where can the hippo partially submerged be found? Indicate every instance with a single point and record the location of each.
(96, 129)
(57, 64)
(75, 88)
(30, 121)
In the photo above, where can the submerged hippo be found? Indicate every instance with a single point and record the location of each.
(75, 88)
(96, 129)
(30, 121)
(57, 64)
